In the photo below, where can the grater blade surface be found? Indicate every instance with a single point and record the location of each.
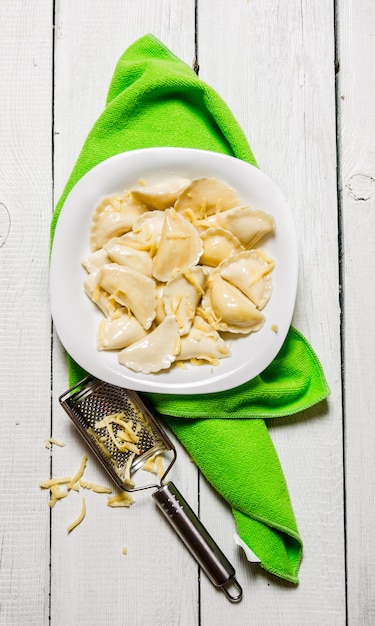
(93, 400)
(90, 402)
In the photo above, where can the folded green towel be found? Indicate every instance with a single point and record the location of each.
(157, 100)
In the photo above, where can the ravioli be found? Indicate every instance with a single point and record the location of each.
(182, 294)
(99, 296)
(179, 248)
(155, 352)
(114, 216)
(218, 244)
(130, 289)
(162, 195)
(95, 260)
(119, 331)
(226, 308)
(119, 251)
(247, 224)
(173, 266)
(250, 272)
(205, 196)
(202, 344)
(148, 228)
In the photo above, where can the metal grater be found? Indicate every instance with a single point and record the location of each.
(91, 401)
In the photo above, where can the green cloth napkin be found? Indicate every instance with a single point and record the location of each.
(155, 99)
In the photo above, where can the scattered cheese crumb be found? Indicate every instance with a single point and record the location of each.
(124, 550)
(80, 517)
(57, 491)
(56, 494)
(155, 465)
(121, 499)
(46, 484)
(94, 487)
(125, 438)
(101, 445)
(149, 466)
(53, 484)
(73, 483)
(51, 441)
(52, 501)
(205, 359)
(124, 472)
(275, 328)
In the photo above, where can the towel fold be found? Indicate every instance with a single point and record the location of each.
(238, 458)
(154, 100)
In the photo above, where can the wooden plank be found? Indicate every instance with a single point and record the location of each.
(157, 581)
(274, 66)
(25, 211)
(288, 115)
(356, 90)
(89, 41)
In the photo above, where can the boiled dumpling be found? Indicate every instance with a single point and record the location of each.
(179, 248)
(226, 308)
(205, 196)
(119, 332)
(172, 267)
(182, 294)
(250, 271)
(247, 224)
(155, 352)
(113, 217)
(119, 251)
(218, 244)
(130, 289)
(146, 231)
(99, 296)
(202, 344)
(162, 195)
(95, 260)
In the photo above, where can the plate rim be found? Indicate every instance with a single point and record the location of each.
(150, 383)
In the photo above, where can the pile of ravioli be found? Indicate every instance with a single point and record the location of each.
(175, 266)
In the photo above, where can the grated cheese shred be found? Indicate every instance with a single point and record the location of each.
(73, 482)
(55, 442)
(125, 438)
(80, 517)
(122, 499)
(94, 487)
(155, 465)
(60, 486)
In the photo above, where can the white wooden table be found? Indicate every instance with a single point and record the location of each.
(300, 78)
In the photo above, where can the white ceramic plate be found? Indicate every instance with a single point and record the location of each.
(76, 318)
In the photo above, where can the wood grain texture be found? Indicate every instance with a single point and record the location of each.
(89, 41)
(277, 75)
(156, 582)
(25, 210)
(309, 127)
(356, 92)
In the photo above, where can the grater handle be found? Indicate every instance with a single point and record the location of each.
(197, 539)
